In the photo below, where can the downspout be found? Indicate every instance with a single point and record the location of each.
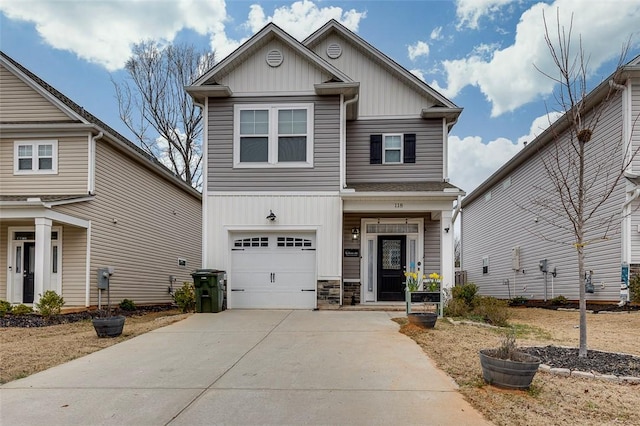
(457, 210)
(91, 190)
(343, 145)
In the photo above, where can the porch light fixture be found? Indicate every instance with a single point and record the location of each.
(446, 230)
(355, 233)
(271, 216)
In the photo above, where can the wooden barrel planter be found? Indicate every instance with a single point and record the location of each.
(423, 319)
(109, 327)
(508, 373)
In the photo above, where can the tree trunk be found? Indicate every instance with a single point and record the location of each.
(582, 352)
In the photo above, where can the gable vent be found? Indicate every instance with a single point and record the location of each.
(334, 50)
(274, 58)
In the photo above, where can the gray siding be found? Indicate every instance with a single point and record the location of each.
(428, 165)
(351, 265)
(324, 176)
(492, 227)
(157, 222)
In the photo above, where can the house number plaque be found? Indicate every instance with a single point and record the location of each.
(398, 205)
(351, 252)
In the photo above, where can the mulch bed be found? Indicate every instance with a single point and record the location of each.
(36, 320)
(596, 361)
(593, 307)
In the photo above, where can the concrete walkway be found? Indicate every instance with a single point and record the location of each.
(247, 367)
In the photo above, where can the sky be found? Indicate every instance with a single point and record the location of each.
(484, 55)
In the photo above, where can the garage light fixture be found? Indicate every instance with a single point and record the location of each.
(271, 216)
(355, 233)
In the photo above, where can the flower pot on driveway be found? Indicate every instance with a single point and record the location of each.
(423, 319)
(109, 327)
(514, 373)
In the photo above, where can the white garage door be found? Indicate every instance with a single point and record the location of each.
(273, 271)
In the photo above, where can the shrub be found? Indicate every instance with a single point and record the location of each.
(50, 303)
(466, 292)
(559, 300)
(518, 301)
(127, 305)
(456, 308)
(492, 311)
(5, 308)
(634, 289)
(21, 310)
(185, 297)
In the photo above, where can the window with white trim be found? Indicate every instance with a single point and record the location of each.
(279, 135)
(31, 157)
(392, 146)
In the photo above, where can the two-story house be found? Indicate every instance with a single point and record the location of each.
(76, 196)
(326, 172)
(514, 247)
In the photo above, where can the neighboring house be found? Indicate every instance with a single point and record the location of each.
(325, 174)
(508, 242)
(76, 196)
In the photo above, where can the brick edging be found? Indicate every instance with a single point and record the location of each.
(565, 372)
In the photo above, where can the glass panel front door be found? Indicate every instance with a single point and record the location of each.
(391, 267)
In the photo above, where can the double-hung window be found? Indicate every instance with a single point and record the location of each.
(278, 135)
(392, 148)
(31, 157)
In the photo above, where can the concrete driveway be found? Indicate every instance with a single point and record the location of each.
(247, 367)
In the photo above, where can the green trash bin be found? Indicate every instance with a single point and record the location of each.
(209, 286)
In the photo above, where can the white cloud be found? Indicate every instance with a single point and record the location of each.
(538, 126)
(103, 32)
(418, 73)
(470, 11)
(508, 79)
(303, 17)
(420, 48)
(436, 34)
(471, 161)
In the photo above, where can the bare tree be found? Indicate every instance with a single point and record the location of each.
(154, 105)
(581, 174)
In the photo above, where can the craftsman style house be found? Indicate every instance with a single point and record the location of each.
(511, 247)
(325, 174)
(76, 196)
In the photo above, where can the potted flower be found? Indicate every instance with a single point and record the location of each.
(432, 285)
(415, 293)
(507, 367)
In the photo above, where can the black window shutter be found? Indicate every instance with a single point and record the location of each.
(410, 148)
(375, 153)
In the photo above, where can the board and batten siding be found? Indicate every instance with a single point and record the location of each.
(634, 126)
(351, 265)
(323, 176)
(321, 214)
(141, 224)
(295, 74)
(381, 92)
(20, 103)
(493, 225)
(428, 165)
(72, 176)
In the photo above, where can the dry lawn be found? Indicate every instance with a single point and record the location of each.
(552, 400)
(24, 351)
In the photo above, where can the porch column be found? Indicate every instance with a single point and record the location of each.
(42, 272)
(447, 264)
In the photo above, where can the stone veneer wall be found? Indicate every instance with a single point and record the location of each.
(351, 293)
(328, 293)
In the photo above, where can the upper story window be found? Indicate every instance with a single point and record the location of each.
(392, 148)
(276, 135)
(32, 157)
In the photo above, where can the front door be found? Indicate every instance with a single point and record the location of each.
(391, 263)
(28, 267)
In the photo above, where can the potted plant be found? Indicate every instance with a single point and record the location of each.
(507, 367)
(108, 326)
(414, 284)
